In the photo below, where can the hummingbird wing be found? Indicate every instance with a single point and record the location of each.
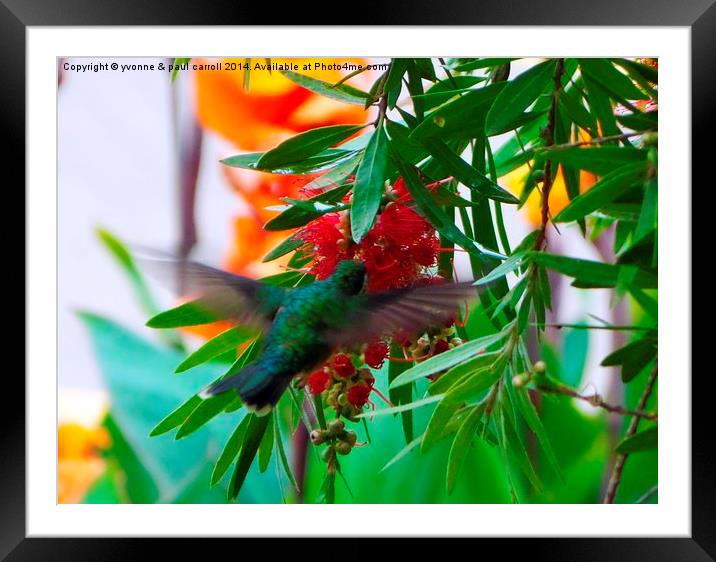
(229, 296)
(406, 311)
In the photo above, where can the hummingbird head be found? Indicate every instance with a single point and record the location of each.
(350, 276)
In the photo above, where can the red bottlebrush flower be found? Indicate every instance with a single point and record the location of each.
(328, 243)
(358, 394)
(401, 225)
(441, 346)
(425, 251)
(375, 354)
(318, 381)
(343, 366)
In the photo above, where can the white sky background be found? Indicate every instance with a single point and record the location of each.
(117, 169)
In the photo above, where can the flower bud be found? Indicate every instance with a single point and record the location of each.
(539, 367)
(350, 437)
(318, 436)
(343, 448)
(518, 381)
(336, 427)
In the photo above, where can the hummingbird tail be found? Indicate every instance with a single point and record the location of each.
(258, 389)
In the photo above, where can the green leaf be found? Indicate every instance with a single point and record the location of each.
(190, 313)
(342, 92)
(572, 106)
(206, 411)
(409, 149)
(231, 449)
(394, 81)
(520, 120)
(514, 445)
(448, 359)
(461, 444)
(225, 341)
(633, 357)
(465, 173)
(437, 217)
(463, 117)
(640, 121)
(649, 209)
(266, 447)
(307, 210)
(518, 95)
(329, 158)
(601, 106)
(595, 274)
(600, 160)
(507, 266)
(402, 408)
(278, 439)
(252, 439)
(605, 191)
(402, 395)
(445, 90)
(529, 414)
(458, 373)
(436, 428)
(403, 452)
(646, 440)
(289, 245)
(617, 84)
(177, 416)
(369, 184)
(481, 63)
(304, 145)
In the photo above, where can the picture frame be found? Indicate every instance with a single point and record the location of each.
(700, 17)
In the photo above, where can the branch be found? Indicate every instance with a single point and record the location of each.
(616, 476)
(549, 141)
(597, 140)
(598, 402)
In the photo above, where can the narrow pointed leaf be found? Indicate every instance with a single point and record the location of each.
(461, 444)
(252, 439)
(225, 341)
(603, 192)
(447, 359)
(646, 440)
(231, 449)
(518, 95)
(342, 92)
(369, 184)
(306, 144)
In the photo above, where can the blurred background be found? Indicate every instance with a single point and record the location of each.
(139, 162)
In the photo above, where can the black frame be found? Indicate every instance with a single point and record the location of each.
(699, 15)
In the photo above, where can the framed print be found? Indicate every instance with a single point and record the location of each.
(407, 275)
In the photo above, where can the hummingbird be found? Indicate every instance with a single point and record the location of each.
(303, 326)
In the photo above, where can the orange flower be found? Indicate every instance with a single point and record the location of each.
(79, 464)
(272, 109)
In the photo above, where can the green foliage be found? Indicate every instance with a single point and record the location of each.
(492, 417)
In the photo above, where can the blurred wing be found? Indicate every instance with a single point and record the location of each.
(407, 311)
(229, 296)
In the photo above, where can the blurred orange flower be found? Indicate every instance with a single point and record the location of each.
(79, 463)
(273, 109)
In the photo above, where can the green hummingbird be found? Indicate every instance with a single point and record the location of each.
(303, 326)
